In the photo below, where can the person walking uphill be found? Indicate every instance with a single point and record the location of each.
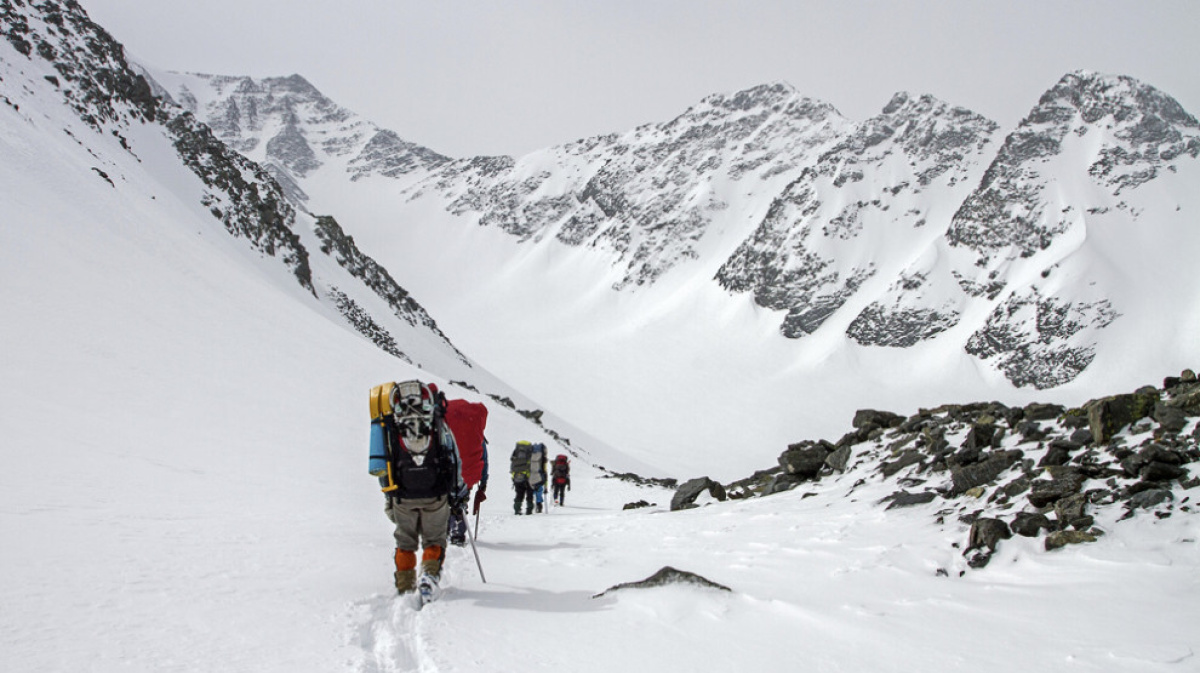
(560, 478)
(520, 468)
(416, 459)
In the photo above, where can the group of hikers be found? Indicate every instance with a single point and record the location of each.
(529, 475)
(428, 453)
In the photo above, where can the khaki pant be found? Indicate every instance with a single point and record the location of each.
(419, 521)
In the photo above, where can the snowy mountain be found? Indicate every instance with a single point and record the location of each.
(74, 105)
(889, 231)
(925, 243)
(187, 341)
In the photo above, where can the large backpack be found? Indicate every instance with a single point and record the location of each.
(519, 464)
(561, 471)
(394, 422)
(468, 420)
(537, 465)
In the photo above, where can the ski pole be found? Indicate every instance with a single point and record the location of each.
(471, 537)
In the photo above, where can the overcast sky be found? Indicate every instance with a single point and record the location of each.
(472, 77)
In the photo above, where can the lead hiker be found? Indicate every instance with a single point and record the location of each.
(416, 459)
(519, 468)
(560, 479)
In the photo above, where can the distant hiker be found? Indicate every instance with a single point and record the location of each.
(417, 461)
(468, 421)
(537, 475)
(520, 469)
(560, 478)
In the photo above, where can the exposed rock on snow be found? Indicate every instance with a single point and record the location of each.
(1007, 470)
(666, 576)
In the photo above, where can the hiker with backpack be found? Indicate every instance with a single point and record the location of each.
(537, 475)
(468, 421)
(416, 458)
(560, 478)
(520, 468)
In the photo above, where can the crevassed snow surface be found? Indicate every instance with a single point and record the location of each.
(183, 488)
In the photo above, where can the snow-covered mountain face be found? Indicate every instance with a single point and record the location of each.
(74, 106)
(918, 255)
(868, 204)
(1024, 259)
(88, 72)
(285, 123)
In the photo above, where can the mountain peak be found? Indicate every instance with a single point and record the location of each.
(777, 96)
(1097, 95)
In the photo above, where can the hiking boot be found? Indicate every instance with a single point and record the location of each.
(539, 508)
(458, 541)
(432, 568)
(406, 581)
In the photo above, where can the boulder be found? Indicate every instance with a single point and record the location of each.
(665, 576)
(1071, 510)
(839, 459)
(685, 496)
(1156, 471)
(783, 482)
(864, 418)
(1042, 412)
(1062, 538)
(1082, 436)
(1172, 419)
(910, 457)
(906, 499)
(1150, 498)
(1030, 524)
(1065, 480)
(987, 532)
(805, 459)
(1108, 415)
(984, 472)
(1186, 398)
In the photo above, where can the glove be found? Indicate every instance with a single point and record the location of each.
(458, 501)
(480, 496)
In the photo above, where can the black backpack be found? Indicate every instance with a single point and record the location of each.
(519, 464)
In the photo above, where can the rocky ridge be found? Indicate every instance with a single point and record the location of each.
(825, 234)
(649, 196)
(1041, 470)
(287, 124)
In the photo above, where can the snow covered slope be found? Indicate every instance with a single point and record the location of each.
(921, 255)
(182, 432)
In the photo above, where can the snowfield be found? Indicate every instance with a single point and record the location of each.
(184, 487)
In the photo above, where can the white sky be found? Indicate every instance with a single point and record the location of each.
(475, 77)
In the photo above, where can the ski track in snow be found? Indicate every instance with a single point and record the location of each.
(395, 634)
(389, 631)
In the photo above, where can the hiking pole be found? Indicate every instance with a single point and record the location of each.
(471, 537)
